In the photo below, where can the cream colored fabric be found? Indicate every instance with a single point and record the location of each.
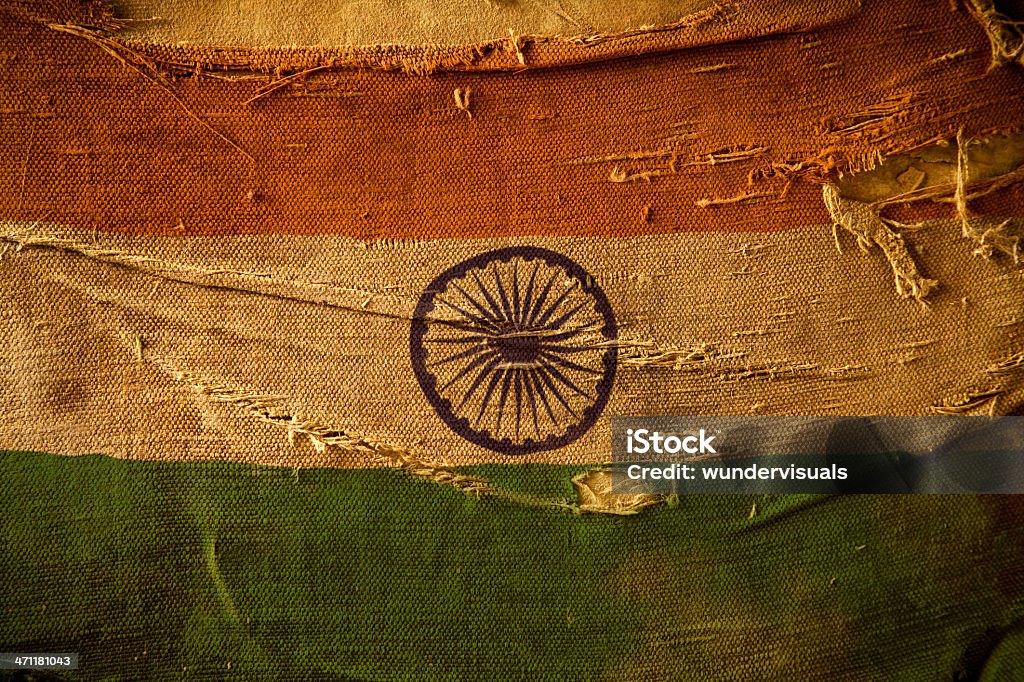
(268, 23)
(114, 343)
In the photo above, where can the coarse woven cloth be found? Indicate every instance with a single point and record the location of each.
(315, 327)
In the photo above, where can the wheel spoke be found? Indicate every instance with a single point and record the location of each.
(468, 368)
(515, 293)
(540, 299)
(468, 315)
(525, 378)
(554, 306)
(475, 303)
(560, 321)
(487, 296)
(506, 382)
(542, 372)
(458, 356)
(532, 375)
(550, 368)
(569, 364)
(501, 294)
(519, 399)
(490, 391)
(528, 298)
(481, 375)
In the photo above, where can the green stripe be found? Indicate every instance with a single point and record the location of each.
(148, 568)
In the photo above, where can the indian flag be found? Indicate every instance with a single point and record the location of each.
(245, 281)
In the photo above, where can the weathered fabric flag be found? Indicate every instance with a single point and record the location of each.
(316, 318)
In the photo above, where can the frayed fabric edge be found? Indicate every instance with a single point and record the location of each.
(722, 22)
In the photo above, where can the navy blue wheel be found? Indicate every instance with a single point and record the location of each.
(515, 349)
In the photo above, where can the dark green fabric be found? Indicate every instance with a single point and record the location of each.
(216, 570)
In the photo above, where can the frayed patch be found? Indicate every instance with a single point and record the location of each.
(870, 229)
(594, 494)
(1005, 35)
(987, 241)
